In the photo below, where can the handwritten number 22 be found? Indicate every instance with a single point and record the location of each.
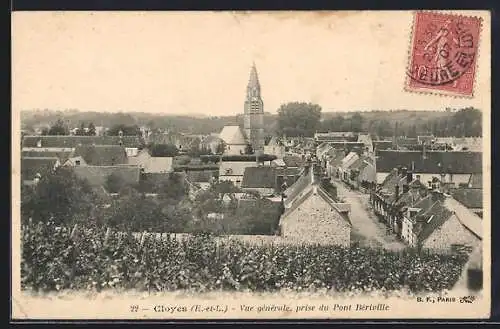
(134, 308)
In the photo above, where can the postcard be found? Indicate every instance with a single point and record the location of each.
(251, 165)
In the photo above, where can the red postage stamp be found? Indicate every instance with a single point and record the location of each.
(443, 54)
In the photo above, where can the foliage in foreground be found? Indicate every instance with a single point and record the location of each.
(54, 258)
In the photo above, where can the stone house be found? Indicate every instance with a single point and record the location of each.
(346, 163)
(361, 173)
(234, 170)
(275, 147)
(333, 163)
(313, 215)
(150, 164)
(75, 161)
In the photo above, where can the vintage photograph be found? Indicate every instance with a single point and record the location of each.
(174, 165)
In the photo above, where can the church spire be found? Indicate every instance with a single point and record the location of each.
(253, 81)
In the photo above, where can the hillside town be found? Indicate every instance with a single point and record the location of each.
(341, 188)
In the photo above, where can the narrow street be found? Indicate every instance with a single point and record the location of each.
(366, 230)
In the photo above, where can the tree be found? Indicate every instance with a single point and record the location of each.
(163, 150)
(221, 147)
(114, 183)
(337, 123)
(467, 122)
(81, 131)
(412, 131)
(58, 129)
(135, 212)
(384, 128)
(356, 123)
(132, 130)
(60, 196)
(298, 119)
(172, 189)
(91, 129)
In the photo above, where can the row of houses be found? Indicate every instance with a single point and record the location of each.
(93, 158)
(423, 215)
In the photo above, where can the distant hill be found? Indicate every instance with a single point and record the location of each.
(204, 124)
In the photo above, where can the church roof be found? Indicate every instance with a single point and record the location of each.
(232, 135)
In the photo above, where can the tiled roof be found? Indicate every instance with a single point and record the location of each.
(235, 168)
(298, 187)
(102, 155)
(61, 155)
(434, 217)
(74, 141)
(361, 163)
(401, 141)
(30, 166)
(470, 220)
(469, 197)
(293, 161)
(199, 176)
(259, 177)
(232, 135)
(336, 160)
(278, 163)
(410, 198)
(382, 145)
(426, 138)
(320, 192)
(433, 163)
(476, 181)
(288, 171)
(157, 164)
(349, 159)
(97, 175)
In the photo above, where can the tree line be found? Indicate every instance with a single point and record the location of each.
(304, 119)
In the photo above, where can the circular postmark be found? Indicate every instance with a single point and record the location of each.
(442, 52)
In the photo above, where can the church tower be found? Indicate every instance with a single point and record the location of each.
(254, 113)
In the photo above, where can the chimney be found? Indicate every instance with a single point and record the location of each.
(436, 195)
(397, 191)
(417, 177)
(404, 171)
(409, 177)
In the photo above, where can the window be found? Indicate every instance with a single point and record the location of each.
(77, 162)
(229, 171)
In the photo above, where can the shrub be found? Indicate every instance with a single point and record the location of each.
(96, 258)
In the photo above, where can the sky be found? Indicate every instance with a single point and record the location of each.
(199, 63)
